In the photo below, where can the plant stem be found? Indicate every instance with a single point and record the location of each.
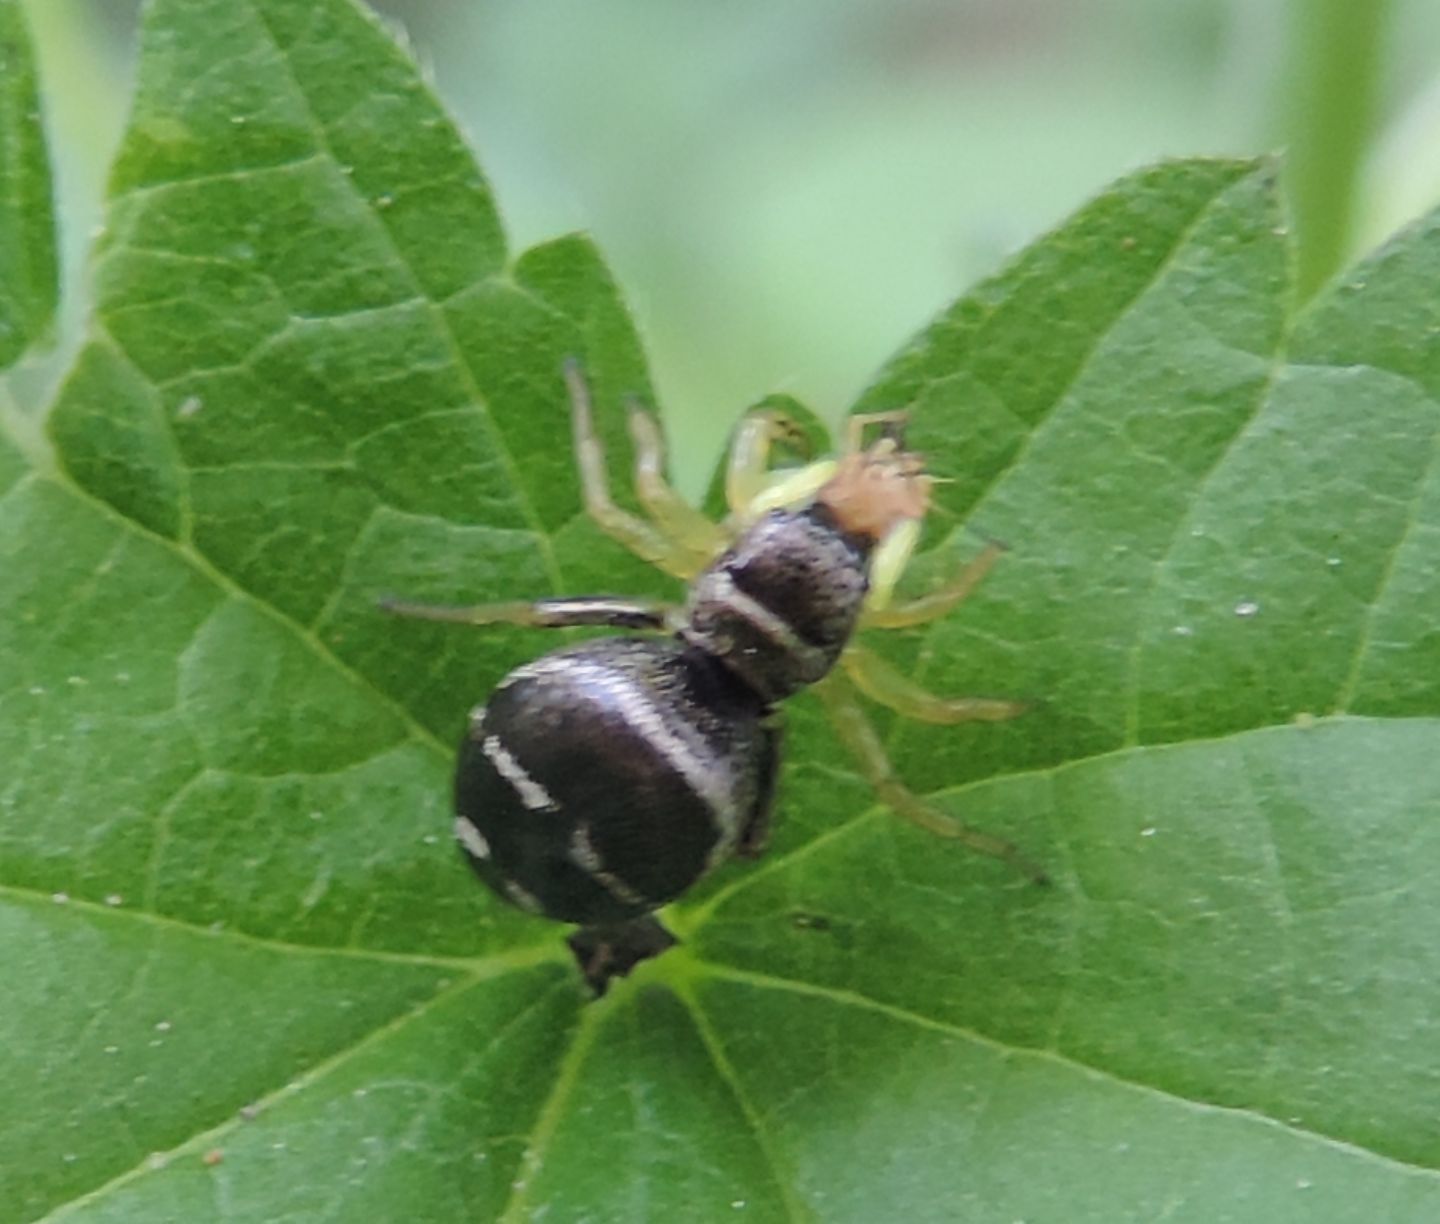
(1333, 83)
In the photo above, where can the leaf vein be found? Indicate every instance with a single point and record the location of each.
(854, 999)
(705, 911)
(142, 191)
(1146, 601)
(520, 957)
(547, 1120)
(438, 314)
(764, 1140)
(1347, 692)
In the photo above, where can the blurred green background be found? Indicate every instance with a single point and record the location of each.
(788, 190)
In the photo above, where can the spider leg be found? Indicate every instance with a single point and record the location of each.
(546, 613)
(755, 834)
(855, 426)
(880, 682)
(859, 737)
(688, 530)
(881, 614)
(640, 537)
(750, 486)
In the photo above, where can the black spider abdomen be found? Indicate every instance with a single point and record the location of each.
(602, 781)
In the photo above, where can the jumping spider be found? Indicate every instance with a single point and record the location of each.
(602, 780)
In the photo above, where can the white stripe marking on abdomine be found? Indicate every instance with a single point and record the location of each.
(532, 794)
(584, 855)
(582, 851)
(546, 667)
(522, 897)
(471, 839)
(636, 705)
(618, 889)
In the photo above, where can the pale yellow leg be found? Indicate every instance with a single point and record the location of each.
(641, 538)
(934, 605)
(888, 564)
(880, 682)
(858, 736)
(856, 426)
(747, 470)
(690, 530)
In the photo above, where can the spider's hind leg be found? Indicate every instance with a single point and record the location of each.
(880, 682)
(859, 737)
(755, 833)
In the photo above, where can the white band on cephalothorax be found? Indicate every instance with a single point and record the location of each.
(720, 588)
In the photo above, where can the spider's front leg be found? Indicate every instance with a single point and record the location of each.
(883, 613)
(751, 486)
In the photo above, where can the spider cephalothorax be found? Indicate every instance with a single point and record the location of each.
(601, 781)
(779, 606)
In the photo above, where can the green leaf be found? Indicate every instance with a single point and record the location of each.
(28, 270)
(250, 980)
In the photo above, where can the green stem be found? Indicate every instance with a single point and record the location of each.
(1333, 79)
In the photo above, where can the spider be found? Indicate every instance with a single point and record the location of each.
(602, 780)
